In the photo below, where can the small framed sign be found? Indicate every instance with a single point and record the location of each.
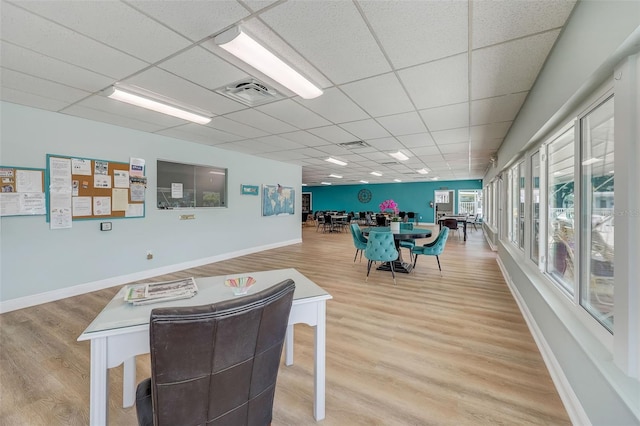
(249, 189)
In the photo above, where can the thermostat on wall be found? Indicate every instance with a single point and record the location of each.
(105, 226)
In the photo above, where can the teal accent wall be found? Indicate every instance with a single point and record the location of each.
(411, 197)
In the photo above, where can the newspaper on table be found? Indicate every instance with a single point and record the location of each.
(145, 293)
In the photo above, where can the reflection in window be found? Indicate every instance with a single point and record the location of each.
(596, 291)
(560, 222)
(535, 206)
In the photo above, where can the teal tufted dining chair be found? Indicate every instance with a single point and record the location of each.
(408, 244)
(359, 240)
(381, 248)
(434, 248)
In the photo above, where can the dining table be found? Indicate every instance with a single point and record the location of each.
(461, 220)
(399, 265)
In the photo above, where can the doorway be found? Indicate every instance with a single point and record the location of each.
(444, 202)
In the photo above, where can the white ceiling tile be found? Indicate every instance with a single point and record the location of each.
(330, 34)
(128, 30)
(380, 95)
(334, 106)
(23, 60)
(456, 148)
(333, 134)
(489, 131)
(64, 44)
(202, 134)
(197, 65)
(416, 140)
(497, 21)
(117, 120)
(438, 27)
(365, 129)
(293, 113)
(386, 145)
(194, 19)
(34, 85)
(36, 101)
(509, 67)
(446, 117)
(257, 119)
(182, 91)
(437, 83)
(403, 124)
(451, 136)
(501, 108)
(304, 138)
(425, 150)
(278, 142)
(233, 127)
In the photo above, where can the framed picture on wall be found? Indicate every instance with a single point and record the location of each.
(249, 189)
(278, 200)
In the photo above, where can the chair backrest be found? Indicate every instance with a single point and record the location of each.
(411, 215)
(362, 215)
(359, 240)
(381, 247)
(406, 225)
(219, 363)
(381, 220)
(450, 223)
(436, 247)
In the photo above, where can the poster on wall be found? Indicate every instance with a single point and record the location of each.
(278, 200)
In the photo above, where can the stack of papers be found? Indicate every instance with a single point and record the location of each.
(145, 293)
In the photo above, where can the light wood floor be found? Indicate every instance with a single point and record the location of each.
(429, 351)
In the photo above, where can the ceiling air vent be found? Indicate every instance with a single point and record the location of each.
(354, 144)
(250, 92)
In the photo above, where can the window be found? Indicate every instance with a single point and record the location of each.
(187, 186)
(560, 210)
(470, 202)
(516, 203)
(597, 217)
(535, 206)
(521, 181)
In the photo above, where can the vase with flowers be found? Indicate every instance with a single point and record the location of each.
(390, 207)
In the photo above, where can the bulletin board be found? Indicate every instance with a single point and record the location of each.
(22, 191)
(93, 189)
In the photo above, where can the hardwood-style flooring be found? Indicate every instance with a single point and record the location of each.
(431, 350)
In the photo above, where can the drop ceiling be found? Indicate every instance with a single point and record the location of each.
(440, 81)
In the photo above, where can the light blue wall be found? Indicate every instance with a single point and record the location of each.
(411, 197)
(35, 259)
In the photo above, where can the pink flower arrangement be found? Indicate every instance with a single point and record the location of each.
(389, 205)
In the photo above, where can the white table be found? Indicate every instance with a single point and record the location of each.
(121, 331)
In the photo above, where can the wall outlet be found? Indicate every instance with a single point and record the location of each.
(149, 255)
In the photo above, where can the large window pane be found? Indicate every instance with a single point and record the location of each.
(596, 291)
(521, 182)
(535, 206)
(560, 223)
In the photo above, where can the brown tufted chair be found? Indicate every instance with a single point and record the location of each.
(216, 364)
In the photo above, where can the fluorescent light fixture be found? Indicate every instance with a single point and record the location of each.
(217, 173)
(423, 171)
(304, 184)
(240, 45)
(325, 183)
(364, 181)
(376, 173)
(334, 161)
(145, 102)
(591, 161)
(435, 178)
(335, 176)
(397, 180)
(399, 156)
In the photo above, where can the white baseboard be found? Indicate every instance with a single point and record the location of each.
(571, 402)
(50, 296)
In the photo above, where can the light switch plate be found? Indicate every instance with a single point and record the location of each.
(105, 226)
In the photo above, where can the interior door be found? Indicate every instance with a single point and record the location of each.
(444, 202)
